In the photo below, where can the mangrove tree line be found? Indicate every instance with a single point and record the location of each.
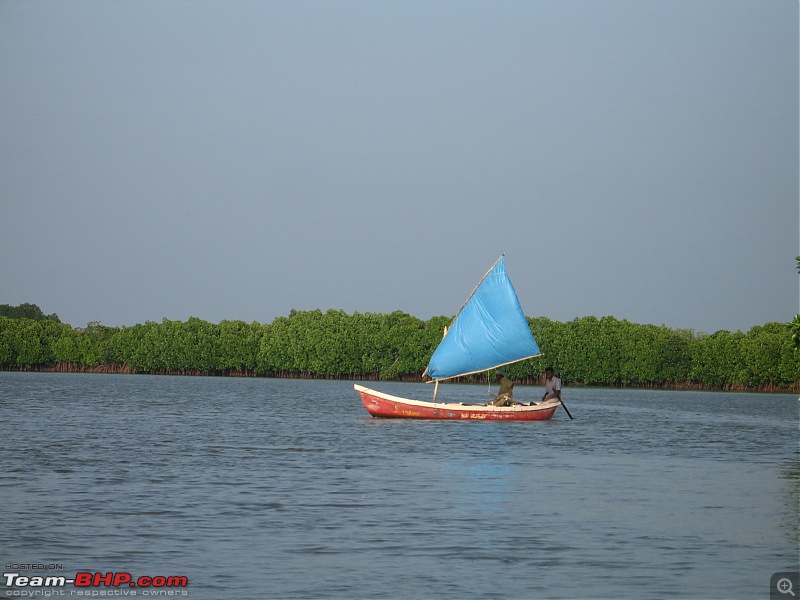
(335, 344)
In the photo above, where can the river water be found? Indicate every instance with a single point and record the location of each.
(265, 488)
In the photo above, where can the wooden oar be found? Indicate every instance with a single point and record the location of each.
(565, 408)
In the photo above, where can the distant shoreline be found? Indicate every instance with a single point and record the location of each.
(591, 351)
(114, 369)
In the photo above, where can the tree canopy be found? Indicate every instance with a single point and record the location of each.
(335, 344)
(26, 311)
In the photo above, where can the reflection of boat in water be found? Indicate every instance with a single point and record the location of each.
(488, 332)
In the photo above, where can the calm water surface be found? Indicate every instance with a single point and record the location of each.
(262, 488)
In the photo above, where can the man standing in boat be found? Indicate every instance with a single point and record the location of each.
(552, 385)
(505, 397)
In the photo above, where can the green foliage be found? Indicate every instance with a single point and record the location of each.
(768, 356)
(26, 311)
(335, 344)
(607, 351)
(794, 331)
(794, 326)
(587, 350)
(719, 360)
(237, 346)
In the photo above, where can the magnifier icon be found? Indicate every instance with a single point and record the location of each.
(785, 586)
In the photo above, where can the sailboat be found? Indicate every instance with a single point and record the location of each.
(489, 331)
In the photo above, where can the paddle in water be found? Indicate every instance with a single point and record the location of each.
(565, 407)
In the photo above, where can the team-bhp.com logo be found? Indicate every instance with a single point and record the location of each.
(91, 581)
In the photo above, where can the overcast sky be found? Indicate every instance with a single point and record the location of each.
(236, 160)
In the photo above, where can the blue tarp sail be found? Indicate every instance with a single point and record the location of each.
(489, 331)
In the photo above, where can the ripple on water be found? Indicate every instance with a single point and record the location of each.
(225, 481)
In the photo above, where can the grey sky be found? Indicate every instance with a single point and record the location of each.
(235, 160)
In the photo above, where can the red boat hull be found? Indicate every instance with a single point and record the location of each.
(379, 404)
